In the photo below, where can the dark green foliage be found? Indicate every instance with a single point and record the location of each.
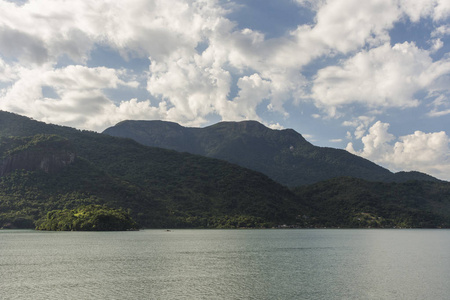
(283, 155)
(87, 218)
(164, 188)
(350, 202)
(161, 188)
(38, 143)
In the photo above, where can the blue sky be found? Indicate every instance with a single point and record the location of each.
(372, 77)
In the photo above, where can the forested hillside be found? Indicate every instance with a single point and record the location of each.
(162, 188)
(283, 155)
(57, 172)
(354, 203)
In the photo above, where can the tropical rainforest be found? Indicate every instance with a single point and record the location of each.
(52, 175)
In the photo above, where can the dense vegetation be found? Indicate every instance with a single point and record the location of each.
(87, 218)
(11, 145)
(283, 155)
(162, 188)
(350, 202)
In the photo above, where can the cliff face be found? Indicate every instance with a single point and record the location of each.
(47, 161)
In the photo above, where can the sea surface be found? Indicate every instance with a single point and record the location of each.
(226, 264)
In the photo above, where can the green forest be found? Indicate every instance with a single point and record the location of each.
(87, 218)
(48, 172)
(283, 155)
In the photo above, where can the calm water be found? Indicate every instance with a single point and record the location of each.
(226, 264)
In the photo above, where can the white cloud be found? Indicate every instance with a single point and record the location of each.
(441, 105)
(436, 44)
(16, 44)
(361, 124)
(381, 77)
(441, 31)
(275, 126)
(436, 113)
(349, 136)
(80, 99)
(442, 10)
(253, 90)
(336, 140)
(194, 86)
(40, 32)
(341, 26)
(417, 9)
(84, 78)
(280, 60)
(425, 152)
(345, 25)
(375, 143)
(8, 73)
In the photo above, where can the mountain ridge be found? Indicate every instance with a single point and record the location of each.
(283, 155)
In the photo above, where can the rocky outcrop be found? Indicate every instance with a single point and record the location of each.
(47, 161)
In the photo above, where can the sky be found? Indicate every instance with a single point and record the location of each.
(371, 77)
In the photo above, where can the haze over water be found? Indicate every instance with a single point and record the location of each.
(225, 264)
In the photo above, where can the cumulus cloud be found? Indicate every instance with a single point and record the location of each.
(16, 44)
(418, 9)
(425, 152)
(8, 73)
(253, 90)
(361, 124)
(39, 33)
(345, 25)
(278, 61)
(436, 9)
(380, 77)
(50, 28)
(80, 100)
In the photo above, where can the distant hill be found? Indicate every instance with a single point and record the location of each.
(356, 203)
(48, 167)
(283, 155)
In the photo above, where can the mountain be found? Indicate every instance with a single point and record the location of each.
(283, 155)
(49, 171)
(47, 167)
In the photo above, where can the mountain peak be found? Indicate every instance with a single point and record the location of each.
(248, 125)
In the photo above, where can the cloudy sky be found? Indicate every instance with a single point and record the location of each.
(371, 76)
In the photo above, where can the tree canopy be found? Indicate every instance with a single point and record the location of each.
(87, 218)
